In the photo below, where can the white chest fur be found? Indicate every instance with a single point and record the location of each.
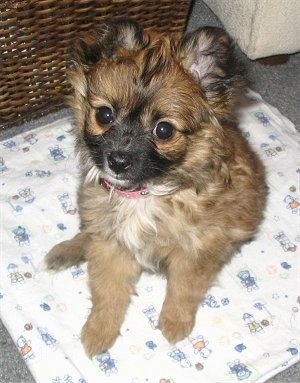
(135, 227)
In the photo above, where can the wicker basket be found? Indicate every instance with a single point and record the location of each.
(35, 40)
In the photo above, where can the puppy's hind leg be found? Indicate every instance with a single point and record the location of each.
(67, 253)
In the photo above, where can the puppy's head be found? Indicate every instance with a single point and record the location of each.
(148, 108)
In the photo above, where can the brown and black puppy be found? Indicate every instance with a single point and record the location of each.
(169, 184)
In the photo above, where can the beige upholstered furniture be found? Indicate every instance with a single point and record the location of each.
(262, 28)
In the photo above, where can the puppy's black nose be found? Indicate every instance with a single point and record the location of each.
(119, 162)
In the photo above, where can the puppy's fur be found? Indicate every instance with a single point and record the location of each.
(158, 113)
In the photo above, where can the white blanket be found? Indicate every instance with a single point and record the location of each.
(248, 325)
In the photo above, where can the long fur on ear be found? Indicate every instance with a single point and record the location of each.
(208, 54)
(106, 40)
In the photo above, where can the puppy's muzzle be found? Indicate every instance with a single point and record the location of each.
(119, 162)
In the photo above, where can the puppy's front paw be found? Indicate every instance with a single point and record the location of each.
(56, 260)
(98, 334)
(66, 254)
(175, 324)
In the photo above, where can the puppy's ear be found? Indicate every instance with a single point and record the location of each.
(208, 54)
(105, 41)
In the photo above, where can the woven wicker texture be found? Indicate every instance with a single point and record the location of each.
(35, 38)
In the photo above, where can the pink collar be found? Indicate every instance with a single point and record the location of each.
(132, 194)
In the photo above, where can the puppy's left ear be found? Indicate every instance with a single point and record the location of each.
(105, 41)
(208, 54)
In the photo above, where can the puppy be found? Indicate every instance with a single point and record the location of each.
(169, 184)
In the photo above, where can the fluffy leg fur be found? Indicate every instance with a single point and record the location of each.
(67, 253)
(187, 282)
(112, 275)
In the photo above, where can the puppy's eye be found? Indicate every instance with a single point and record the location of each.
(104, 115)
(163, 130)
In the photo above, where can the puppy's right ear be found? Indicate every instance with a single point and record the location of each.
(208, 55)
(105, 42)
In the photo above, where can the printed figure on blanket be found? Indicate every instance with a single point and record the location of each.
(152, 316)
(210, 301)
(11, 145)
(253, 326)
(285, 242)
(15, 276)
(200, 346)
(21, 236)
(66, 204)
(30, 138)
(239, 369)
(46, 337)
(27, 194)
(106, 363)
(3, 167)
(292, 203)
(56, 153)
(179, 356)
(247, 280)
(25, 349)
